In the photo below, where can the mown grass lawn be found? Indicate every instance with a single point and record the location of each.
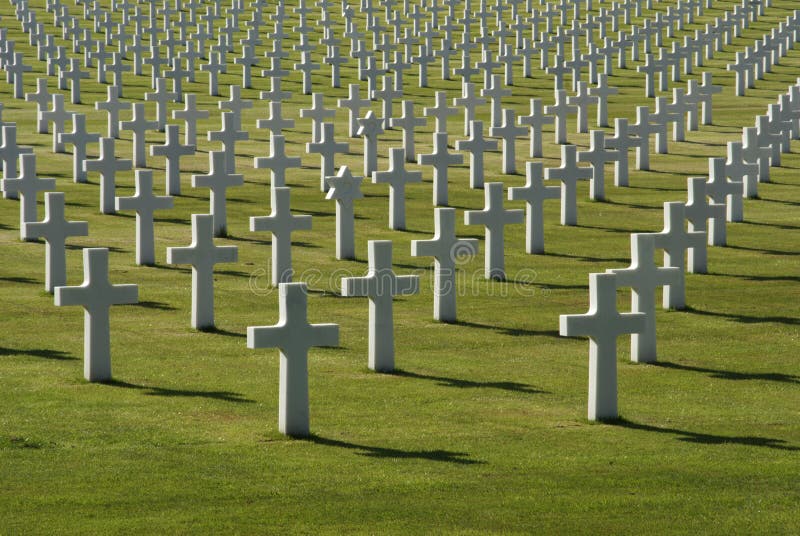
(482, 428)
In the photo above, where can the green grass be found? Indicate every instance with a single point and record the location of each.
(482, 429)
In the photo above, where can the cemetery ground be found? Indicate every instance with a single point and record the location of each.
(482, 428)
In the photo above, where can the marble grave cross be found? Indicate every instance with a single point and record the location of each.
(380, 285)
(96, 295)
(202, 254)
(293, 335)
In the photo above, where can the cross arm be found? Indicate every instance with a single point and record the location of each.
(406, 285)
(325, 335)
(358, 286)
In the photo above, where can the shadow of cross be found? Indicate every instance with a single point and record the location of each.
(709, 439)
(437, 455)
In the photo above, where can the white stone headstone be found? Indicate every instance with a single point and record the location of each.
(602, 324)
(397, 177)
(27, 186)
(218, 180)
(494, 218)
(54, 229)
(441, 160)
(144, 203)
(448, 252)
(281, 223)
(644, 277)
(293, 335)
(345, 189)
(202, 255)
(534, 193)
(96, 295)
(380, 285)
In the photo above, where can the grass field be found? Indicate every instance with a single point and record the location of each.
(482, 428)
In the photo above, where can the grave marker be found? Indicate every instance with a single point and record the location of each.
(202, 254)
(380, 285)
(293, 335)
(96, 295)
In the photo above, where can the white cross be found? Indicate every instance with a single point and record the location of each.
(345, 189)
(602, 324)
(107, 165)
(228, 136)
(602, 91)
(218, 181)
(275, 123)
(583, 99)
(644, 128)
(380, 285)
(494, 218)
(534, 193)
(54, 229)
(440, 112)
(448, 251)
(569, 173)
(281, 223)
(598, 155)
(202, 254)
(293, 335)
(327, 147)
(353, 103)
(739, 170)
(535, 121)
(724, 191)
(58, 115)
(561, 111)
(397, 177)
(441, 160)
(41, 97)
(96, 295)
(112, 106)
(236, 105)
(387, 94)
(277, 162)
(161, 96)
(699, 211)
(318, 114)
(10, 152)
(508, 132)
(755, 153)
(27, 186)
(139, 125)
(469, 101)
(79, 138)
(370, 127)
(644, 277)
(622, 141)
(190, 115)
(476, 145)
(407, 122)
(675, 240)
(144, 203)
(172, 150)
